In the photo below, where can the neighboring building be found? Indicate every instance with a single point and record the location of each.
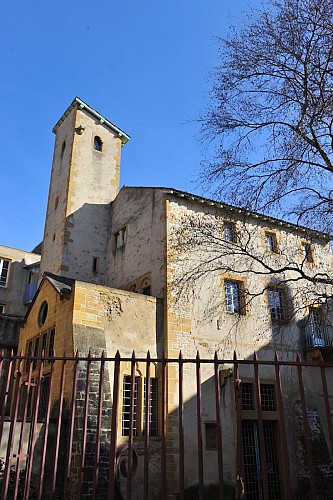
(19, 272)
(113, 264)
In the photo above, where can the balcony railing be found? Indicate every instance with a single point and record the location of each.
(318, 337)
(29, 292)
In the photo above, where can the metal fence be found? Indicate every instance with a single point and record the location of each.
(99, 427)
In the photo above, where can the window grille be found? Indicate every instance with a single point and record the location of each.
(247, 396)
(125, 423)
(153, 407)
(267, 394)
(251, 458)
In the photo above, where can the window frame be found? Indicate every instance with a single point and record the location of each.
(97, 144)
(139, 415)
(233, 233)
(240, 296)
(122, 235)
(41, 343)
(211, 431)
(2, 308)
(4, 272)
(307, 252)
(274, 315)
(274, 247)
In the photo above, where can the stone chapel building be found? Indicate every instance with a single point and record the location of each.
(115, 273)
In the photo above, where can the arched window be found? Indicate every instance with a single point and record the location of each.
(98, 143)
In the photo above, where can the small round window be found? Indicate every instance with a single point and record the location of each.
(42, 315)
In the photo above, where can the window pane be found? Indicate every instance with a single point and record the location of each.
(229, 231)
(267, 393)
(247, 396)
(276, 304)
(125, 421)
(232, 296)
(211, 436)
(4, 268)
(153, 407)
(271, 242)
(51, 343)
(44, 398)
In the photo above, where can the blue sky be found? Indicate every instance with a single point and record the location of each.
(143, 64)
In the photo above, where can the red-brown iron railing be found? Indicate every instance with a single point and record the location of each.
(69, 430)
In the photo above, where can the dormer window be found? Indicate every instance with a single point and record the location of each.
(98, 144)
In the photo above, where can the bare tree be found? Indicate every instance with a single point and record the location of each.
(271, 113)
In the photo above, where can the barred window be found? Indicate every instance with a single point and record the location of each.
(267, 397)
(125, 421)
(139, 414)
(247, 396)
(267, 394)
(153, 407)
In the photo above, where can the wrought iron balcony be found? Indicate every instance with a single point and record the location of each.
(318, 337)
(29, 292)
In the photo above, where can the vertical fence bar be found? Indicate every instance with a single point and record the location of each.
(85, 425)
(46, 429)
(199, 428)
(218, 426)
(11, 436)
(71, 424)
(146, 429)
(6, 394)
(32, 441)
(262, 449)
(22, 433)
(306, 428)
(181, 428)
(99, 424)
(131, 430)
(58, 431)
(164, 430)
(282, 431)
(114, 427)
(327, 403)
(239, 446)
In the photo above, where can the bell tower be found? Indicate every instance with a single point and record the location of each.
(84, 180)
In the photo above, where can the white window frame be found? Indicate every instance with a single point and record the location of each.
(2, 308)
(277, 303)
(4, 272)
(233, 297)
